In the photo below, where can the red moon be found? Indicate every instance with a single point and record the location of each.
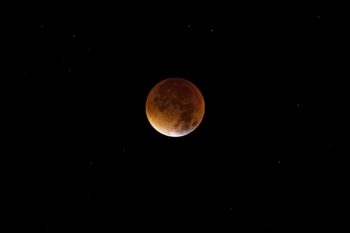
(175, 107)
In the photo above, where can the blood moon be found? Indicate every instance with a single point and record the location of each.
(175, 107)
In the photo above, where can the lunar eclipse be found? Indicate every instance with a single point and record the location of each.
(175, 107)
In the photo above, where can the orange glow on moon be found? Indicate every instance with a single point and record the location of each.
(175, 107)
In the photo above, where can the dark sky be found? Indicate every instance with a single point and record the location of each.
(271, 154)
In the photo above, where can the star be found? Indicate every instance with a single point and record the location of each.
(299, 107)
(211, 30)
(74, 36)
(69, 69)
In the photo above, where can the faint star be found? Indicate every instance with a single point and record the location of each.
(211, 30)
(41, 26)
(299, 107)
(279, 161)
(318, 17)
(123, 150)
(69, 69)
(74, 36)
(91, 162)
(189, 26)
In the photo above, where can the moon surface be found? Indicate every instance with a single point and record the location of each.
(175, 107)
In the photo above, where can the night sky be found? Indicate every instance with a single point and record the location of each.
(271, 154)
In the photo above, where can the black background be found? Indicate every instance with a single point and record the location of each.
(271, 154)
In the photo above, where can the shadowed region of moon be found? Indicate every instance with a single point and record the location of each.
(175, 107)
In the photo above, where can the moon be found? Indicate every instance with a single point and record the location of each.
(175, 107)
